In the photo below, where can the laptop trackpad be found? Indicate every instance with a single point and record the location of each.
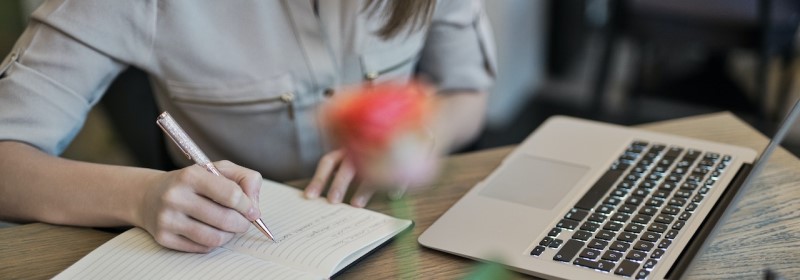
(536, 182)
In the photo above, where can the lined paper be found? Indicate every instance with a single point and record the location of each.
(135, 255)
(313, 234)
(316, 239)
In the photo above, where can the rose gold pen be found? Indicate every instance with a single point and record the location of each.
(193, 152)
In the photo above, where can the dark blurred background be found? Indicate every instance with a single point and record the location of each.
(625, 62)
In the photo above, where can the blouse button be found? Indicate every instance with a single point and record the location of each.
(328, 92)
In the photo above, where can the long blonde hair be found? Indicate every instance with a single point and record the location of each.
(401, 14)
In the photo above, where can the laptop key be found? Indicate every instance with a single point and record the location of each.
(651, 236)
(664, 244)
(554, 232)
(648, 184)
(614, 201)
(620, 217)
(634, 200)
(590, 198)
(604, 209)
(567, 224)
(538, 250)
(613, 226)
(576, 214)
(589, 253)
(569, 250)
(641, 219)
(650, 211)
(626, 268)
(664, 219)
(599, 265)
(683, 193)
(598, 244)
(650, 263)
(660, 228)
(620, 192)
(677, 202)
(582, 235)
(605, 235)
(546, 241)
(642, 274)
(555, 243)
(634, 228)
(626, 184)
(589, 226)
(671, 210)
(657, 253)
(641, 193)
(655, 202)
(625, 208)
(671, 234)
(619, 246)
(662, 194)
(627, 236)
(612, 256)
(635, 255)
(674, 151)
(644, 246)
(597, 218)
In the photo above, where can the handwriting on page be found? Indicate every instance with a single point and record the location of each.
(310, 234)
(139, 257)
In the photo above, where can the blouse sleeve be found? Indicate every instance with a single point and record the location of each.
(459, 52)
(58, 69)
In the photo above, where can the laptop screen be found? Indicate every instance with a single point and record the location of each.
(784, 129)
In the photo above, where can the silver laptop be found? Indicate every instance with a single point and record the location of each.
(586, 200)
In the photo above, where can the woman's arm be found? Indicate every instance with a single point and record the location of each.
(188, 209)
(460, 119)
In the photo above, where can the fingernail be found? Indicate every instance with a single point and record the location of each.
(360, 202)
(312, 194)
(253, 213)
(335, 197)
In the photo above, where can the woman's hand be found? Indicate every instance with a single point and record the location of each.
(193, 210)
(407, 162)
(337, 167)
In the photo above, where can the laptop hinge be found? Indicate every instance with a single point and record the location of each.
(696, 242)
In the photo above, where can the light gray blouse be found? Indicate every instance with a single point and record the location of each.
(245, 78)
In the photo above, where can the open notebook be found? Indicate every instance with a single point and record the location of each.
(316, 240)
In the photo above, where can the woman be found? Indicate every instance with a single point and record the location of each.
(245, 78)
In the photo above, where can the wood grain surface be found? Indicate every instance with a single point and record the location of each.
(764, 230)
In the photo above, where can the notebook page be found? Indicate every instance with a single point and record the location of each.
(135, 255)
(314, 235)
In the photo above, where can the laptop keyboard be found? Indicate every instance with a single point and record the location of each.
(627, 221)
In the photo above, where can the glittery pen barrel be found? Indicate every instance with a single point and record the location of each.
(193, 152)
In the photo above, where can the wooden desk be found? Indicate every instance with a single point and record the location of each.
(763, 232)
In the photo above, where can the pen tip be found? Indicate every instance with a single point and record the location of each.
(263, 228)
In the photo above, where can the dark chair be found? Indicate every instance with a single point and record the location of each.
(766, 26)
(132, 110)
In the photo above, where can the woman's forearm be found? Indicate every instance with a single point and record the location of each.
(39, 187)
(460, 119)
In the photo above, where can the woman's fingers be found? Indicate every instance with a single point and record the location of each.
(362, 195)
(215, 215)
(192, 210)
(224, 192)
(325, 170)
(344, 176)
(248, 180)
(180, 243)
